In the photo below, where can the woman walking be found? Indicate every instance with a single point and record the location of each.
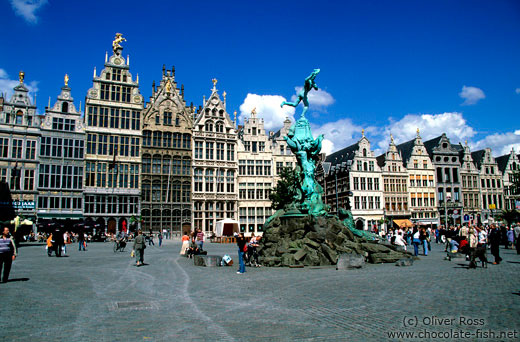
(185, 243)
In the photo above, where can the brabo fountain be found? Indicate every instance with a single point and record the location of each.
(303, 232)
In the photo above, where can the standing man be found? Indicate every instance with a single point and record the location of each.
(7, 253)
(160, 237)
(241, 243)
(139, 246)
(495, 238)
(81, 240)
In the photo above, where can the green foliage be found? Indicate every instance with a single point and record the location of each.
(510, 216)
(284, 192)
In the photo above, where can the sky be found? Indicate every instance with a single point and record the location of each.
(388, 67)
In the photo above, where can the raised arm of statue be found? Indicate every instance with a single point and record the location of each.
(302, 95)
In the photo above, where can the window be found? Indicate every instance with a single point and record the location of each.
(230, 181)
(4, 147)
(16, 152)
(267, 167)
(199, 149)
(28, 182)
(198, 179)
(136, 120)
(186, 141)
(125, 119)
(220, 151)
(279, 167)
(125, 94)
(167, 118)
(209, 180)
(230, 152)
(30, 149)
(105, 90)
(209, 150)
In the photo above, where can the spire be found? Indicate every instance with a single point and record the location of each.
(182, 90)
(128, 60)
(164, 69)
(214, 84)
(137, 78)
(203, 100)
(235, 118)
(94, 72)
(49, 106)
(106, 56)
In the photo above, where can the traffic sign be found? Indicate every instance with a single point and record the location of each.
(466, 218)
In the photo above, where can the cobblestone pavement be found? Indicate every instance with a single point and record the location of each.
(99, 295)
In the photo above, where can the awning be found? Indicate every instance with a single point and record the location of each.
(60, 215)
(404, 223)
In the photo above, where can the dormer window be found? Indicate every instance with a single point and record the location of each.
(19, 117)
(364, 152)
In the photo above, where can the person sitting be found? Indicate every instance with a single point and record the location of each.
(454, 246)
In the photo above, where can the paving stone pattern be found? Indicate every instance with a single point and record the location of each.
(99, 295)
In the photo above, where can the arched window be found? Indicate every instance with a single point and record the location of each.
(365, 166)
(209, 126)
(364, 152)
(65, 107)
(219, 127)
(19, 117)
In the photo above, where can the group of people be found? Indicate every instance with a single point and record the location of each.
(193, 244)
(247, 251)
(57, 242)
(458, 238)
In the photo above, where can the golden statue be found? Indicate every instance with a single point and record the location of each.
(119, 39)
(214, 82)
(168, 86)
(66, 80)
(253, 112)
(21, 76)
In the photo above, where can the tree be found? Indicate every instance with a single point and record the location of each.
(510, 216)
(285, 191)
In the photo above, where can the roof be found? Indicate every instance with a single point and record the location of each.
(343, 155)
(502, 162)
(381, 160)
(431, 144)
(478, 156)
(406, 150)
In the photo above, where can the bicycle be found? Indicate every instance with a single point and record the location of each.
(119, 245)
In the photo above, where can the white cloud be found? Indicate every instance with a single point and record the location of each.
(337, 135)
(517, 90)
(268, 108)
(319, 98)
(27, 8)
(430, 126)
(500, 143)
(7, 85)
(471, 95)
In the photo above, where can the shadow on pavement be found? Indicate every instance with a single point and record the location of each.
(17, 279)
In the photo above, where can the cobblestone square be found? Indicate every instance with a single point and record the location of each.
(99, 295)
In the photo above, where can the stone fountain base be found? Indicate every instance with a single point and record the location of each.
(318, 241)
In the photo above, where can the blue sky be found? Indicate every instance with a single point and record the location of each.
(386, 66)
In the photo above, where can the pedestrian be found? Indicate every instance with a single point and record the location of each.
(416, 240)
(482, 237)
(50, 244)
(8, 253)
(150, 239)
(139, 246)
(160, 237)
(81, 240)
(423, 236)
(510, 238)
(58, 245)
(185, 243)
(494, 238)
(241, 243)
(517, 237)
(199, 240)
(399, 241)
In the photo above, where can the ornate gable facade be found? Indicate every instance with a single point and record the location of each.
(215, 164)
(167, 158)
